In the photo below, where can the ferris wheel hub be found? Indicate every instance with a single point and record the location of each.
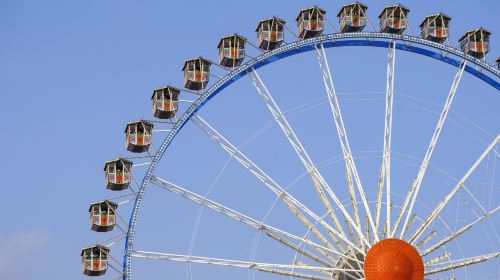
(393, 259)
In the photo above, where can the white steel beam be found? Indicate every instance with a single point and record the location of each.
(293, 204)
(342, 134)
(461, 263)
(274, 233)
(267, 267)
(318, 181)
(385, 169)
(417, 182)
(435, 212)
(457, 233)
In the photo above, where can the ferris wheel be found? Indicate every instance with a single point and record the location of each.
(352, 230)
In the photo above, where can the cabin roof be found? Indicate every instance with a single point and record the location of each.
(195, 58)
(445, 16)
(405, 9)
(231, 36)
(163, 88)
(103, 202)
(147, 123)
(105, 249)
(308, 9)
(474, 31)
(269, 19)
(363, 6)
(498, 59)
(115, 160)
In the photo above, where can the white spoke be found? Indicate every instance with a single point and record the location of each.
(267, 267)
(289, 201)
(437, 259)
(417, 182)
(318, 181)
(426, 239)
(457, 233)
(415, 186)
(385, 169)
(342, 133)
(461, 263)
(448, 197)
(272, 232)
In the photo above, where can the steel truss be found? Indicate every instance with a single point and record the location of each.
(481, 69)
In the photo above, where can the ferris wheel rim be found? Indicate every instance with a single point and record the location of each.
(369, 39)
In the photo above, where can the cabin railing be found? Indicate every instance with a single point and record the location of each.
(232, 53)
(438, 32)
(196, 76)
(394, 22)
(350, 21)
(311, 25)
(479, 47)
(95, 265)
(271, 36)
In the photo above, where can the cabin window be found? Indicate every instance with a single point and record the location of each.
(133, 128)
(158, 95)
(227, 43)
(140, 130)
(111, 168)
(265, 26)
(205, 66)
(438, 22)
(306, 16)
(190, 66)
(119, 167)
(280, 26)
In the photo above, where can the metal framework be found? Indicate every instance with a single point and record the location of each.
(417, 182)
(447, 54)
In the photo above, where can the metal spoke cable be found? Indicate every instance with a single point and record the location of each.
(342, 133)
(461, 263)
(318, 180)
(289, 200)
(417, 182)
(448, 197)
(238, 216)
(233, 263)
(458, 233)
(384, 176)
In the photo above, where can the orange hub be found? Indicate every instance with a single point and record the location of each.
(393, 259)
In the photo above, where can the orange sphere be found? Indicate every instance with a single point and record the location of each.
(393, 259)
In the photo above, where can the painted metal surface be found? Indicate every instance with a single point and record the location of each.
(482, 70)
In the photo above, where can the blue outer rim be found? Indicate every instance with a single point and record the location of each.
(481, 70)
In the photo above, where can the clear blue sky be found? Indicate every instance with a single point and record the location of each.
(72, 73)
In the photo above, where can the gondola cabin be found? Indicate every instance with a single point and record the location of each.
(118, 174)
(270, 33)
(393, 19)
(95, 260)
(165, 102)
(138, 136)
(498, 62)
(435, 27)
(476, 42)
(103, 216)
(231, 50)
(352, 17)
(196, 73)
(310, 22)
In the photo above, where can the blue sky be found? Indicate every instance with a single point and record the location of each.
(72, 73)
